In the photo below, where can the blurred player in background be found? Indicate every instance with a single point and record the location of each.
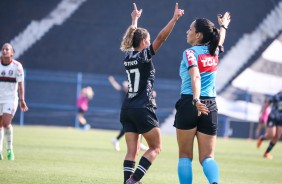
(137, 113)
(196, 115)
(123, 89)
(86, 94)
(274, 125)
(263, 117)
(11, 91)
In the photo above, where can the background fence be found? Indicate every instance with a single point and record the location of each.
(51, 97)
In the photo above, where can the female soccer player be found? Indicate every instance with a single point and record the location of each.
(11, 86)
(137, 113)
(123, 89)
(196, 114)
(274, 125)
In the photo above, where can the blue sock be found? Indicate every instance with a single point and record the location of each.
(211, 170)
(185, 174)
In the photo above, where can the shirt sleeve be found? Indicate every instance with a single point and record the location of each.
(190, 58)
(146, 54)
(20, 73)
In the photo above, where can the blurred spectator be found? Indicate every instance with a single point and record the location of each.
(86, 94)
(263, 116)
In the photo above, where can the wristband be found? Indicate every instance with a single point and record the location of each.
(221, 48)
(224, 27)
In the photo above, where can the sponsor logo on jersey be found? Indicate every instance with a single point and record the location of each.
(3, 73)
(207, 63)
(190, 56)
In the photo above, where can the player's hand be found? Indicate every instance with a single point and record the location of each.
(136, 14)
(224, 20)
(202, 108)
(110, 78)
(177, 12)
(23, 106)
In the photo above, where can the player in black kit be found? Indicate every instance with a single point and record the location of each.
(137, 113)
(274, 125)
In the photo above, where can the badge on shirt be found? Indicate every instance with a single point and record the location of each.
(11, 72)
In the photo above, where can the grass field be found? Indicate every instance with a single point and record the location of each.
(58, 155)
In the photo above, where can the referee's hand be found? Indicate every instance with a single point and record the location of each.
(202, 108)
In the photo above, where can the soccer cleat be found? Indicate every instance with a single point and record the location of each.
(10, 154)
(116, 144)
(86, 127)
(259, 142)
(132, 181)
(143, 147)
(268, 156)
(1, 156)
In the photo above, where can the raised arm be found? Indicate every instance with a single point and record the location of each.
(135, 15)
(164, 33)
(114, 83)
(223, 22)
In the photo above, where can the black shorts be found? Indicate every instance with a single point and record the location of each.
(80, 110)
(187, 118)
(139, 120)
(274, 120)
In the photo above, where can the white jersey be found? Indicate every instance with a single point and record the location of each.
(10, 75)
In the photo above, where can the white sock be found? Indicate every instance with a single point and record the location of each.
(1, 139)
(9, 137)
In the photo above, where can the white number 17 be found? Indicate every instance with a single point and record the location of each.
(133, 87)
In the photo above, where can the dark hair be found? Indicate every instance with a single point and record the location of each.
(210, 33)
(133, 37)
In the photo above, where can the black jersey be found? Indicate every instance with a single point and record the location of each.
(140, 75)
(277, 102)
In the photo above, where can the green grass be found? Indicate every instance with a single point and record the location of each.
(65, 155)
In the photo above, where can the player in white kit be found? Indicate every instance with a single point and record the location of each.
(11, 91)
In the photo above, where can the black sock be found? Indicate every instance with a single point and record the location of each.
(270, 146)
(128, 169)
(121, 133)
(262, 137)
(142, 168)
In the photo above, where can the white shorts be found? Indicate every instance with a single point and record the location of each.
(9, 108)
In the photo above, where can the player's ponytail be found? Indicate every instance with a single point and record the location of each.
(214, 41)
(210, 34)
(132, 38)
(127, 40)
